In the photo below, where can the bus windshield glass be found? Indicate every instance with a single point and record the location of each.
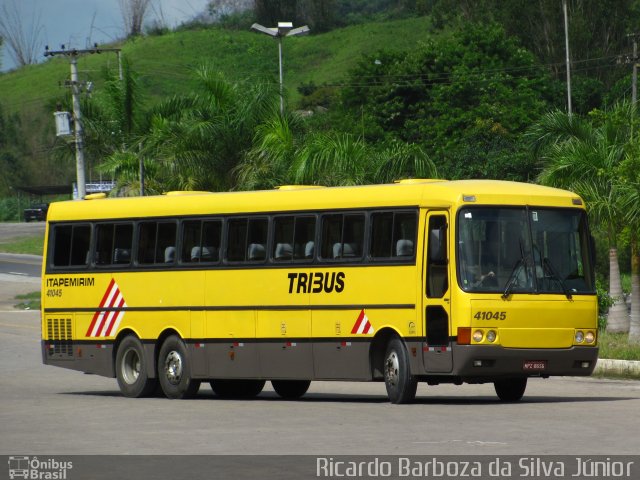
(524, 250)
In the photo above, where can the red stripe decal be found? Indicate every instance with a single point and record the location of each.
(102, 302)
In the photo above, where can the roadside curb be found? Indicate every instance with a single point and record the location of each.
(626, 368)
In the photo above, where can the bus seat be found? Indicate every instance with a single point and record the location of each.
(204, 254)
(121, 255)
(196, 254)
(404, 248)
(342, 250)
(309, 249)
(284, 251)
(256, 251)
(169, 254)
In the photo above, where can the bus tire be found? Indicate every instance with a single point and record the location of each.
(131, 369)
(290, 389)
(510, 390)
(237, 388)
(401, 385)
(174, 371)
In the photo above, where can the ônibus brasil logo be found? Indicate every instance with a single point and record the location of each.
(34, 468)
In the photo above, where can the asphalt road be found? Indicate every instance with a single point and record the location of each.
(50, 410)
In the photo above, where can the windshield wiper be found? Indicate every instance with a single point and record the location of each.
(512, 278)
(548, 266)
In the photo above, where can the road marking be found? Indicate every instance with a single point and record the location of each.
(19, 273)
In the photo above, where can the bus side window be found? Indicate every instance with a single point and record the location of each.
(156, 242)
(293, 238)
(393, 234)
(211, 240)
(71, 245)
(283, 228)
(113, 244)
(342, 236)
(247, 239)
(437, 261)
(304, 238)
(191, 233)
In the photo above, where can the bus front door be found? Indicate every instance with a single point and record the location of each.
(436, 348)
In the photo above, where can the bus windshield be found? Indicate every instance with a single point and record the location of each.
(524, 250)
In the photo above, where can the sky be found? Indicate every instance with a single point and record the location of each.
(81, 23)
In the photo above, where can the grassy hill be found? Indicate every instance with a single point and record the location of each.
(165, 62)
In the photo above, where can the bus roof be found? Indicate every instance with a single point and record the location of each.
(426, 193)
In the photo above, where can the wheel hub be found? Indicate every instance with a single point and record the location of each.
(173, 367)
(392, 368)
(131, 367)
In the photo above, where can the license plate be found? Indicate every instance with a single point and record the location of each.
(534, 365)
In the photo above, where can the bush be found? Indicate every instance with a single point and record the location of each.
(10, 210)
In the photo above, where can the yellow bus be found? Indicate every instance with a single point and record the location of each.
(419, 281)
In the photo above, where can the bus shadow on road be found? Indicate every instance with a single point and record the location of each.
(363, 399)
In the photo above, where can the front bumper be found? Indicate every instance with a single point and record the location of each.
(479, 362)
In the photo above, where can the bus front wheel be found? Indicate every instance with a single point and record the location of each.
(401, 385)
(174, 371)
(131, 369)
(511, 390)
(290, 389)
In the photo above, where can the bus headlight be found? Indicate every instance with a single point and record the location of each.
(589, 337)
(579, 336)
(491, 336)
(478, 335)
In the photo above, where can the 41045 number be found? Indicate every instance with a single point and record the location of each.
(488, 315)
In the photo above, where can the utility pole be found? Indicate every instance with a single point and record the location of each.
(566, 48)
(77, 114)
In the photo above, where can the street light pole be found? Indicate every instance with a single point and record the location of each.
(284, 29)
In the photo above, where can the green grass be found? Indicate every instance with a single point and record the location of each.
(616, 346)
(30, 301)
(31, 245)
(164, 63)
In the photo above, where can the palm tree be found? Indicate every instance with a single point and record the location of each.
(584, 157)
(198, 140)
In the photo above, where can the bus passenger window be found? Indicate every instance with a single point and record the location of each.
(71, 245)
(393, 234)
(156, 242)
(257, 239)
(211, 239)
(304, 237)
(113, 244)
(283, 238)
(191, 233)
(342, 236)
(247, 239)
(293, 238)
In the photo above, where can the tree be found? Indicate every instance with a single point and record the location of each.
(133, 13)
(458, 95)
(22, 38)
(585, 156)
(631, 204)
(196, 141)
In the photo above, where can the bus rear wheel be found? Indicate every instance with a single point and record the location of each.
(131, 369)
(237, 388)
(511, 390)
(290, 389)
(401, 385)
(174, 371)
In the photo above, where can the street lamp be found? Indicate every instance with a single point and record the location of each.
(284, 29)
